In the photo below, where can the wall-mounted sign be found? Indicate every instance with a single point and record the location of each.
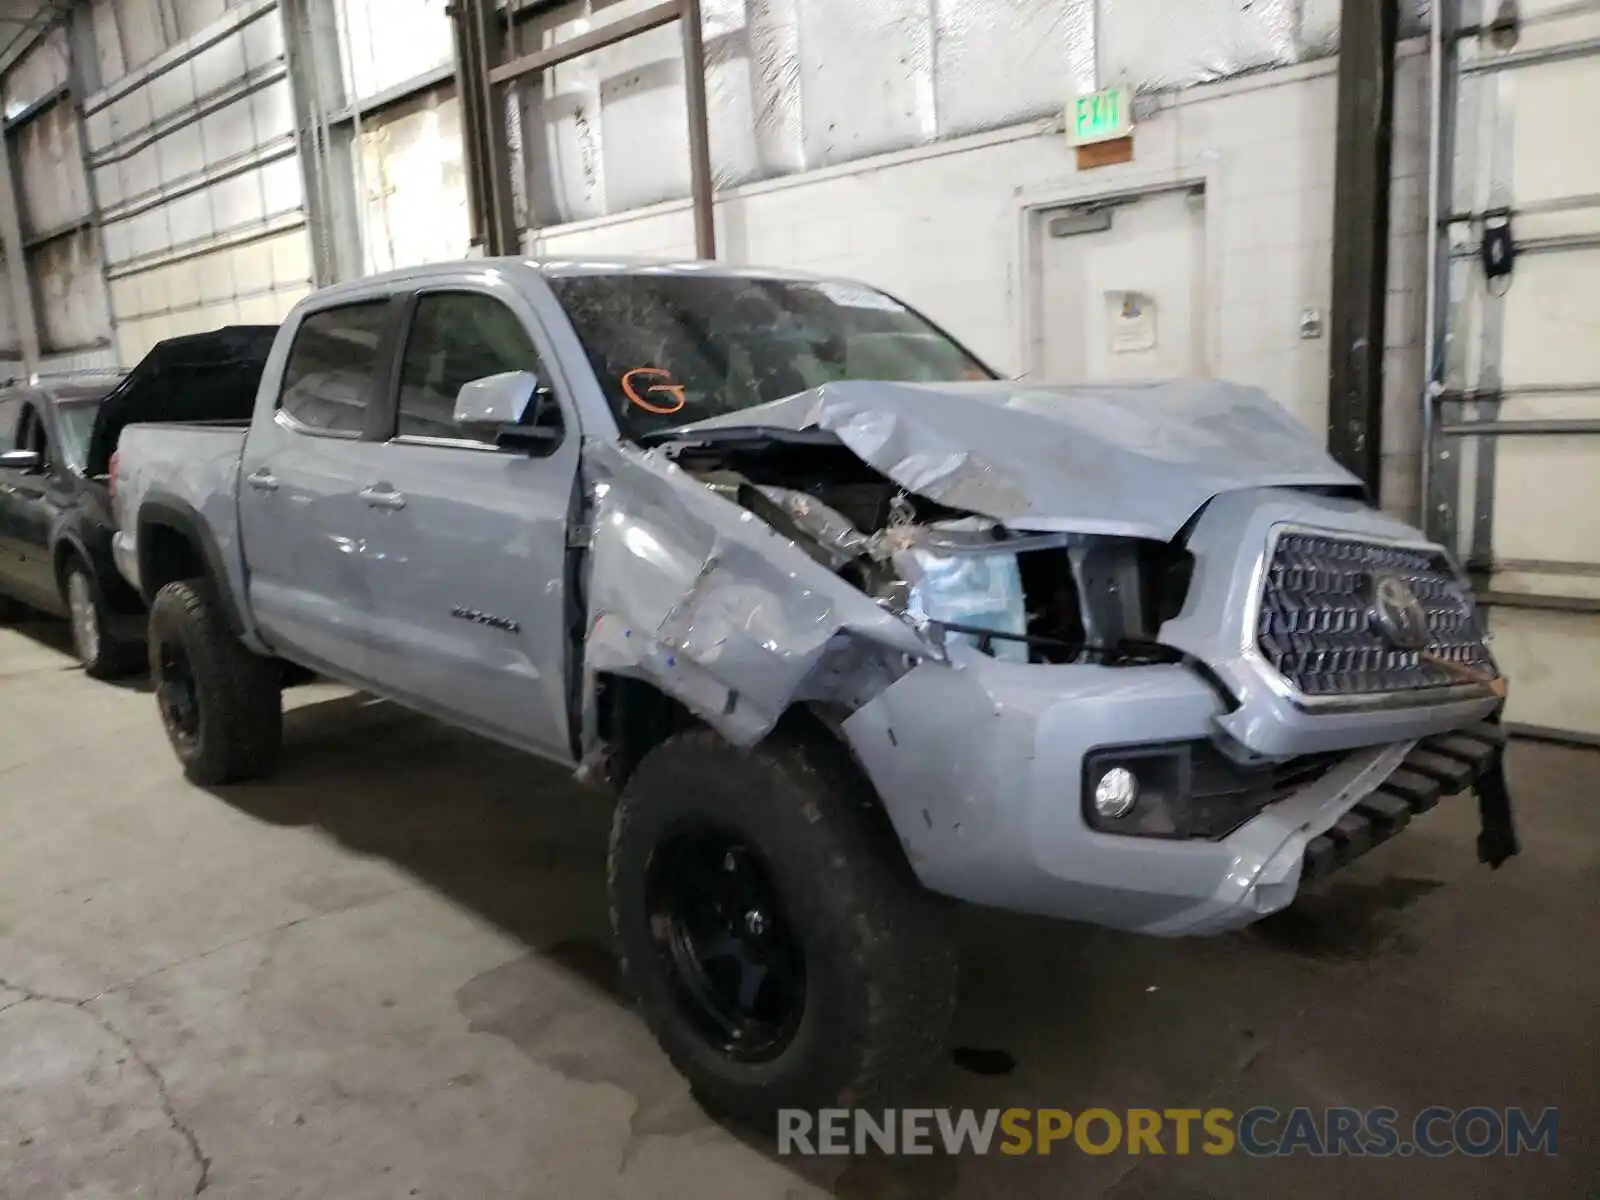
(1101, 116)
(1133, 322)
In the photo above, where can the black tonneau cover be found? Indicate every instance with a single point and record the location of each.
(199, 377)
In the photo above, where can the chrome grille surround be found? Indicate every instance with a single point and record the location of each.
(1311, 623)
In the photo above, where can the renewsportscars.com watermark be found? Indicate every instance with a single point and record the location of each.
(1260, 1132)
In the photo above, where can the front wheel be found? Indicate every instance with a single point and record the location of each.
(780, 948)
(222, 705)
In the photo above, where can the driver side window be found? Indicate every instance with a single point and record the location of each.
(455, 338)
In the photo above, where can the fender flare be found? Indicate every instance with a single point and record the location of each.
(163, 510)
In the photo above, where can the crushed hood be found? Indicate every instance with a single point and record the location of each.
(1129, 459)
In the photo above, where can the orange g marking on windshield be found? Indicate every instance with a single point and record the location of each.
(675, 390)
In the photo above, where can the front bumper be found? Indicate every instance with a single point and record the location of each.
(980, 765)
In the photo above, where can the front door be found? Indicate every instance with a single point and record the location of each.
(302, 521)
(468, 551)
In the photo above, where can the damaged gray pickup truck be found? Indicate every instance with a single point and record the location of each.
(849, 623)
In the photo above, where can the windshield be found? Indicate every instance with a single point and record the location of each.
(672, 349)
(76, 420)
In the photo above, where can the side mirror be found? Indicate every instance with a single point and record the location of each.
(29, 462)
(515, 409)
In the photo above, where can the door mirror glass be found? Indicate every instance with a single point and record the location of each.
(30, 462)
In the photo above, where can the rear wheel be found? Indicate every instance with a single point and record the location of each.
(103, 657)
(221, 704)
(781, 950)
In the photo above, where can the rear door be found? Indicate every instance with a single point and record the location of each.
(468, 552)
(303, 525)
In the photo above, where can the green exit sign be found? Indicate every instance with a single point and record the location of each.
(1100, 116)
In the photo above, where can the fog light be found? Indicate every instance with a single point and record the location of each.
(1115, 793)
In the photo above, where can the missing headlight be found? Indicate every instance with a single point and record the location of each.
(970, 591)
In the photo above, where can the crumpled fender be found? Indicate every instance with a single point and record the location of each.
(717, 609)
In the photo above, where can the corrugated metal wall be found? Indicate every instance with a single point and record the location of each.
(192, 149)
(55, 210)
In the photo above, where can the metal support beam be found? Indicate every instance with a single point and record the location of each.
(694, 82)
(16, 264)
(1367, 35)
(479, 44)
(596, 39)
(327, 170)
(687, 12)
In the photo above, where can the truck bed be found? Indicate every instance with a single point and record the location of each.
(189, 465)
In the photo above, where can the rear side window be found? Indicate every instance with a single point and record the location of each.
(455, 338)
(328, 380)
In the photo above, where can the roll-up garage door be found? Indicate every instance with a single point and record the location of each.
(1514, 407)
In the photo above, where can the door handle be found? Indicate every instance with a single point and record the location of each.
(381, 495)
(262, 480)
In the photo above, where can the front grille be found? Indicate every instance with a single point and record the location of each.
(1223, 794)
(1316, 626)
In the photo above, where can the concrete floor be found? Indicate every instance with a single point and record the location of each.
(383, 974)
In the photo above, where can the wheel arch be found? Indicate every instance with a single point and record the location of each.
(630, 716)
(175, 543)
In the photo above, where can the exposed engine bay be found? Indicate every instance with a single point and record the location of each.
(1020, 597)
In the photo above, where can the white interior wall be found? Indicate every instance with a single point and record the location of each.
(941, 228)
(194, 162)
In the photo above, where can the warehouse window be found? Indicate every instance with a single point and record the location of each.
(455, 338)
(328, 380)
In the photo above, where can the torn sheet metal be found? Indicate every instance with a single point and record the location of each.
(717, 609)
(1136, 460)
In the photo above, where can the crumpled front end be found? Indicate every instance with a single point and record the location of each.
(1167, 731)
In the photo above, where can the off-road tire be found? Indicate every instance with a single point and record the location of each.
(880, 974)
(108, 658)
(237, 695)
